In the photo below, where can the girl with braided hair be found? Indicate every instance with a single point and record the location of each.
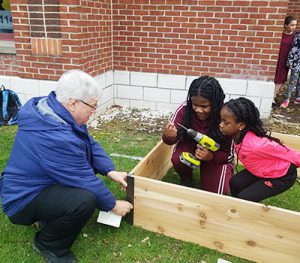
(270, 166)
(201, 112)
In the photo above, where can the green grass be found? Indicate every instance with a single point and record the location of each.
(100, 243)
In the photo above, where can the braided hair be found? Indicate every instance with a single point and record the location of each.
(209, 88)
(245, 111)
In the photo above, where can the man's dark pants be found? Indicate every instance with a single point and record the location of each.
(65, 210)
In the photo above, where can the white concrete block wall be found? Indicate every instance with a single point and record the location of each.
(5, 80)
(109, 78)
(100, 79)
(157, 94)
(264, 89)
(121, 77)
(104, 106)
(265, 106)
(154, 91)
(107, 95)
(178, 96)
(141, 90)
(189, 80)
(107, 89)
(45, 87)
(141, 104)
(233, 86)
(123, 102)
(167, 81)
(130, 92)
(142, 79)
(167, 107)
(28, 88)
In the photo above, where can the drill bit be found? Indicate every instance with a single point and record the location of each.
(182, 126)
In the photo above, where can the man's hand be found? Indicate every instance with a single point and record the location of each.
(119, 177)
(122, 207)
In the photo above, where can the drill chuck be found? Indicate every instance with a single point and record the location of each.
(203, 140)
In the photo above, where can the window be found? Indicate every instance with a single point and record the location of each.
(7, 44)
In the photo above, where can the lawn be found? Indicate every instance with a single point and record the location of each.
(100, 243)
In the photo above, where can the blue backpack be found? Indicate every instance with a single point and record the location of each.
(9, 106)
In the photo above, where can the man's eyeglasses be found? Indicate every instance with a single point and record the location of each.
(91, 106)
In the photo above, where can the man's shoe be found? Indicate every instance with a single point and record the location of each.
(285, 104)
(50, 256)
(297, 100)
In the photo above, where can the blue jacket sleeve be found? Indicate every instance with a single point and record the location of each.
(102, 163)
(65, 161)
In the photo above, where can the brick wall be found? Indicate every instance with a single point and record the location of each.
(145, 52)
(228, 39)
(294, 9)
(60, 35)
(96, 46)
(8, 65)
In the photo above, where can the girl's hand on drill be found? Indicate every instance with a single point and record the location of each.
(122, 207)
(119, 177)
(203, 154)
(170, 131)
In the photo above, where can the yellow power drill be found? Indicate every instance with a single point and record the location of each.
(202, 139)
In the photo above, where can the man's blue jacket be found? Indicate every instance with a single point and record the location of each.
(50, 148)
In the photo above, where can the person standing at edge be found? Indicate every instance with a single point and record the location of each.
(282, 70)
(294, 64)
(50, 175)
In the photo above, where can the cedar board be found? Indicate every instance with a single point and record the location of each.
(245, 229)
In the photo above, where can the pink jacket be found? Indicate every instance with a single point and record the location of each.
(265, 158)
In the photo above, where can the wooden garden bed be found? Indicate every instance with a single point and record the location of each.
(245, 229)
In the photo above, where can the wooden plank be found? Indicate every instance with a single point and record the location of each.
(292, 141)
(156, 163)
(230, 225)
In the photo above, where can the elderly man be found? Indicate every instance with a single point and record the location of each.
(50, 175)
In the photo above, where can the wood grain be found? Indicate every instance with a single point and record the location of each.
(292, 141)
(156, 163)
(245, 229)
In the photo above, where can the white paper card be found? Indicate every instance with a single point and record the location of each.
(222, 261)
(109, 218)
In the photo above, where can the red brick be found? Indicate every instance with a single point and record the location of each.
(147, 36)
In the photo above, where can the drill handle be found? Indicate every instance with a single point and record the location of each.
(209, 143)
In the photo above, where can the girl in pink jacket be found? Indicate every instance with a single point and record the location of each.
(270, 166)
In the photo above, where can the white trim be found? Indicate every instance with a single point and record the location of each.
(222, 179)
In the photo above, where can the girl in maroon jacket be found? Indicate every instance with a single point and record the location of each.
(201, 112)
(288, 34)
